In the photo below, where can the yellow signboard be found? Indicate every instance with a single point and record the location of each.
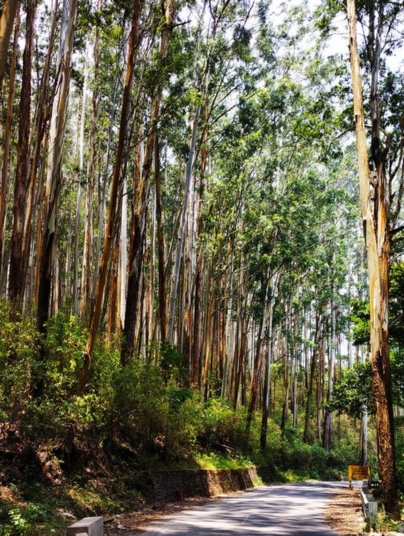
(358, 472)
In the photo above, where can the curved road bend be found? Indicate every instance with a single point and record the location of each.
(286, 510)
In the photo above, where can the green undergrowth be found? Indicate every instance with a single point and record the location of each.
(215, 460)
(112, 480)
(46, 508)
(384, 523)
(64, 456)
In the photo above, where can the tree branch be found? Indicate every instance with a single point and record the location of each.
(393, 232)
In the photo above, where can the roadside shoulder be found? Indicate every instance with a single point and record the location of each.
(344, 512)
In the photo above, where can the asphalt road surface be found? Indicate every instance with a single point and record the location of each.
(286, 510)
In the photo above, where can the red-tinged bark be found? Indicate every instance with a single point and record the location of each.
(140, 214)
(113, 292)
(18, 270)
(8, 16)
(47, 251)
(113, 202)
(375, 217)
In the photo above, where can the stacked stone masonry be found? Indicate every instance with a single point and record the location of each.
(173, 485)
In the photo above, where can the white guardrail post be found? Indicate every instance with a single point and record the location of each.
(369, 505)
(88, 526)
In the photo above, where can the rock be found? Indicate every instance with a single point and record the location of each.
(65, 514)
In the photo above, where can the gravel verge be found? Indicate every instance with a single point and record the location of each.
(344, 513)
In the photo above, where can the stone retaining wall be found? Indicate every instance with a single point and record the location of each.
(172, 485)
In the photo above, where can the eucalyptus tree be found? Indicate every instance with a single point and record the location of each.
(310, 129)
(381, 187)
(7, 18)
(6, 156)
(109, 234)
(86, 294)
(109, 41)
(268, 144)
(378, 216)
(47, 248)
(18, 258)
(140, 214)
(229, 133)
(80, 171)
(39, 133)
(211, 63)
(223, 75)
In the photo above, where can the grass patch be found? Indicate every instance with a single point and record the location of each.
(213, 460)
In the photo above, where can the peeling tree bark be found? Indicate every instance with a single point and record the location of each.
(109, 234)
(18, 270)
(8, 15)
(54, 175)
(160, 244)
(35, 197)
(375, 217)
(6, 157)
(140, 215)
(86, 298)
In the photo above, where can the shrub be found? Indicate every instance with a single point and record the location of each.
(18, 349)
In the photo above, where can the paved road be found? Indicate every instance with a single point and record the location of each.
(286, 510)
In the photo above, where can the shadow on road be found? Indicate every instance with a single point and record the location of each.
(294, 509)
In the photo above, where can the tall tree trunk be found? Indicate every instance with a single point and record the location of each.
(295, 369)
(140, 216)
(181, 238)
(255, 380)
(54, 177)
(35, 197)
(160, 243)
(309, 395)
(207, 336)
(6, 157)
(320, 389)
(273, 288)
(8, 15)
(196, 343)
(286, 386)
(113, 289)
(328, 419)
(17, 277)
(123, 264)
(41, 217)
(378, 246)
(109, 234)
(79, 192)
(86, 298)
